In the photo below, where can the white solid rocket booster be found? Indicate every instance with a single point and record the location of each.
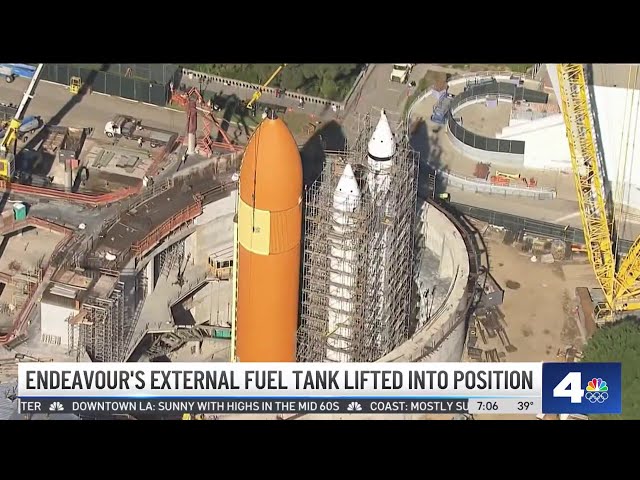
(381, 149)
(346, 200)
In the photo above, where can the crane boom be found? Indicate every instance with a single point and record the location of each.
(587, 176)
(256, 96)
(619, 286)
(11, 134)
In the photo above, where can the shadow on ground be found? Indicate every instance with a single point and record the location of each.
(422, 138)
(329, 137)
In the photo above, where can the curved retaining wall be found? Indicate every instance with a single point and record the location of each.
(442, 340)
(474, 184)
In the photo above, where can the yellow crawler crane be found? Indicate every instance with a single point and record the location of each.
(618, 283)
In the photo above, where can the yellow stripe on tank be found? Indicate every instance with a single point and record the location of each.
(254, 228)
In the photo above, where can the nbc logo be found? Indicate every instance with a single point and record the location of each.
(597, 391)
(56, 407)
(354, 407)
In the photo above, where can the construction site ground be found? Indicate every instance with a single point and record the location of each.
(22, 253)
(442, 154)
(133, 226)
(539, 305)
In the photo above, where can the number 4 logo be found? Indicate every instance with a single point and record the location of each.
(570, 387)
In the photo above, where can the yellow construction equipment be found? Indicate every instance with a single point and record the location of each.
(188, 416)
(75, 84)
(619, 284)
(512, 176)
(10, 138)
(256, 96)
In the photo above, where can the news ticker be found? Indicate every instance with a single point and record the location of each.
(404, 388)
(180, 406)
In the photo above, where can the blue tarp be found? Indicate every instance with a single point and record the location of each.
(20, 69)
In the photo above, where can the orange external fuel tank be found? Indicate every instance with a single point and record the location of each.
(268, 246)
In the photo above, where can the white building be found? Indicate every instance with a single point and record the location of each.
(616, 89)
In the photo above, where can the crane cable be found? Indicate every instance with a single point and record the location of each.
(630, 103)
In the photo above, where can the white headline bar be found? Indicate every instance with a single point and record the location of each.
(279, 379)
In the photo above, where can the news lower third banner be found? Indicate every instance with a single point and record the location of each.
(318, 388)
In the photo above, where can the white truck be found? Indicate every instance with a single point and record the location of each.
(132, 129)
(400, 72)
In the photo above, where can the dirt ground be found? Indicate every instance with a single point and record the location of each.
(539, 305)
(486, 121)
(21, 253)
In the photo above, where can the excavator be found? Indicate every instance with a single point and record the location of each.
(617, 277)
(9, 141)
(258, 93)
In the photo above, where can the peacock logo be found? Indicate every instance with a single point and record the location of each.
(597, 391)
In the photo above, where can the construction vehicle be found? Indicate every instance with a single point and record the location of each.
(8, 73)
(400, 72)
(75, 84)
(511, 176)
(29, 124)
(617, 277)
(132, 129)
(9, 140)
(188, 416)
(256, 96)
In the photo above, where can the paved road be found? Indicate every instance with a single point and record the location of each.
(52, 100)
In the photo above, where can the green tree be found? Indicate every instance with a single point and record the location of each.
(620, 343)
(328, 80)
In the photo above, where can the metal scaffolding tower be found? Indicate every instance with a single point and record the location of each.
(104, 326)
(381, 277)
(170, 257)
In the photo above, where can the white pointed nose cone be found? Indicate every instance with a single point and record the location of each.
(347, 195)
(382, 145)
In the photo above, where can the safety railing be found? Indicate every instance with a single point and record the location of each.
(158, 233)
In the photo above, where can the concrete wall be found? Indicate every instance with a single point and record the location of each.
(213, 304)
(54, 323)
(618, 114)
(477, 185)
(442, 340)
(546, 142)
(214, 234)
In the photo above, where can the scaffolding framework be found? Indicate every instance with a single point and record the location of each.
(105, 326)
(170, 257)
(380, 277)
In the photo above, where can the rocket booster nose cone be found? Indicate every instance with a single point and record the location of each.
(382, 145)
(347, 194)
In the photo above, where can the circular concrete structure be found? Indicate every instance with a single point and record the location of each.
(440, 239)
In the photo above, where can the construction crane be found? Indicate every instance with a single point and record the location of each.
(256, 96)
(617, 277)
(10, 139)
